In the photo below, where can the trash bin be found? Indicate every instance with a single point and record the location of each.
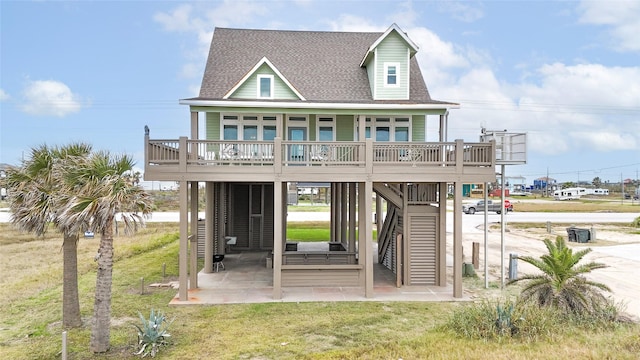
(578, 235)
(582, 235)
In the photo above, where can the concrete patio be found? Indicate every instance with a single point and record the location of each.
(246, 279)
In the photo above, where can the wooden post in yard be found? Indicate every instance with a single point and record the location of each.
(476, 255)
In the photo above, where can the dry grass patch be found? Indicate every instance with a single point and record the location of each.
(575, 206)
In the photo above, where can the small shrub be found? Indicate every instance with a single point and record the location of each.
(636, 222)
(505, 319)
(152, 336)
(505, 322)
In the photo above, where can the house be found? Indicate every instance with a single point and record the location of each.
(345, 108)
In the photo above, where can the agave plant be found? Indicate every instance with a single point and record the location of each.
(562, 283)
(152, 335)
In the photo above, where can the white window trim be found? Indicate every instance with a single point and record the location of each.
(271, 82)
(392, 124)
(387, 65)
(240, 122)
(326, 124)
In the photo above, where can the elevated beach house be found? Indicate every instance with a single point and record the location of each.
(346, 108)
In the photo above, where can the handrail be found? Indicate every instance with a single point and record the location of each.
(317, 153)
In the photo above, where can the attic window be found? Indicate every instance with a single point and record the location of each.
(391, 73)
(265, 87)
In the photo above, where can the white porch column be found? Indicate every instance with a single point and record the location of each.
(457, 239)
(208, 226)
(183, 259)
(193, 243)
(278, 242)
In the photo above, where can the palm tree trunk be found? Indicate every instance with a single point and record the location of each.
(70, 299)
(100, 332)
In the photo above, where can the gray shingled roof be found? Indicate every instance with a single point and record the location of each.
(322, 66)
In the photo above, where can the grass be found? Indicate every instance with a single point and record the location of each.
(312, 231)
(30, 326)
(582, 205)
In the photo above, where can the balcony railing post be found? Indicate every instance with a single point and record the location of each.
(459, 156)
(182, 153)
(368, 153)
(277, 155)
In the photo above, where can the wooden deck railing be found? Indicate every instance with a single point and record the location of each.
(186, 152)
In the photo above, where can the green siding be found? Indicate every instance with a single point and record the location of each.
(393, 49)
(344, 127)
(212, 128)
(312, 128)
(418, 128)
(249, 89)
(371, 73)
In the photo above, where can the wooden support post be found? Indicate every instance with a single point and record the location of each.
(183, 258)
(476, 255)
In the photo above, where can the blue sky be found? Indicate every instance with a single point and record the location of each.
(565, 72)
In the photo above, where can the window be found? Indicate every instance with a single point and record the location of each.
(230, 132)
(326, 129)
(249, 127)
(265, 86)
(391, 74)
(386, 128)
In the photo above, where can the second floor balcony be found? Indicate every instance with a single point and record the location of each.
(409, 161)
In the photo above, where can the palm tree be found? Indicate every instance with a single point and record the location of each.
(38, 197)
(105, 188)
(562, 283)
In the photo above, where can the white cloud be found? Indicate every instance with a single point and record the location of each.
(621, 19)
(200, 19)
(4, 96)
(349, 23)
(49, 97)
(462, 11)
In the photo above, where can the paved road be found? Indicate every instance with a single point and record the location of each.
(470, 222)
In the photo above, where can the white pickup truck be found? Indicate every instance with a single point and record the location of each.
(491, 206)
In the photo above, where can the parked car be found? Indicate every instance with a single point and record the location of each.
(491, 206)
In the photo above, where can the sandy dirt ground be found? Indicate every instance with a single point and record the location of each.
(619, 250)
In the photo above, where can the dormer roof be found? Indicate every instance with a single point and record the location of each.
(412, 46)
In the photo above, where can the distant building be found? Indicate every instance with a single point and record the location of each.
(544, 183)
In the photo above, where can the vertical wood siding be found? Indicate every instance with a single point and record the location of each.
(344, 128)
(418, 128)
(213, 126)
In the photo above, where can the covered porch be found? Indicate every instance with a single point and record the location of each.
(247, 279)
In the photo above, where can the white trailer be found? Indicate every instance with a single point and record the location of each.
(569, 193)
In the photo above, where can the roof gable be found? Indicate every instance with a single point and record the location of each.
(413, 48)
(253, 72)
(321, 66)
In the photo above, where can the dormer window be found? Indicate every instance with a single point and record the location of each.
(265, 87)
(391, 74)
